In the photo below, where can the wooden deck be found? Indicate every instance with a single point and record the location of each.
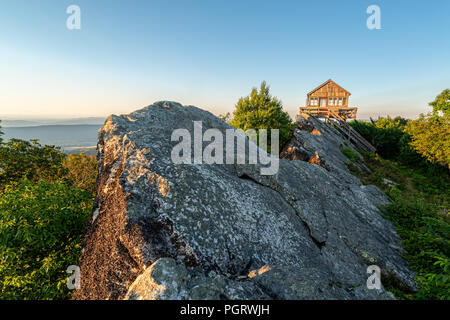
(330, 112)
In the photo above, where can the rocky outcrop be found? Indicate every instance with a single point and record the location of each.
(316, 142)
(161, 230)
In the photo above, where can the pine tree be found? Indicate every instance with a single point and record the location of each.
(260, 110)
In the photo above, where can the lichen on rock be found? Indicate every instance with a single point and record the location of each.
(194, 231)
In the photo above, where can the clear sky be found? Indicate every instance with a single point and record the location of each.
(129, 54)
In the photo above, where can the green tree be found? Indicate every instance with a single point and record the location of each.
(388, 136)
(430, 134)
(442, 102)
(260, 110)
(431, 137)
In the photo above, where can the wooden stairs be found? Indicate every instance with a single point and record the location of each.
(349, 133)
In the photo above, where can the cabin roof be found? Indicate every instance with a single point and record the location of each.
(324, 84)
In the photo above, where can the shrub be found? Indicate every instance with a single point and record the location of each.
(30, 160)
(431, 137)
(350, 154)
(436, 285)
(426, 238)
(414, 142)
(260, 110)
(41, 225)
(419, 211)
(82, 171)
(385, 134)
(45, 201)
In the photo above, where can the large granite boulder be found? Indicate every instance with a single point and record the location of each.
(161, 230)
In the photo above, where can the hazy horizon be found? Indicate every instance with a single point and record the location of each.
(39, 120)
(127, 56)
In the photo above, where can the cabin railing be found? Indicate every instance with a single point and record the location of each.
(346, 112)
(351, 134)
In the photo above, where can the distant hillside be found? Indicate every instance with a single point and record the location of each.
(10, 122)
(69, 137)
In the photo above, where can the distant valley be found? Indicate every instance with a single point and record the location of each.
(8, 122)
(71, 138)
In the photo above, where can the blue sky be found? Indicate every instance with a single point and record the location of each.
(129, 54)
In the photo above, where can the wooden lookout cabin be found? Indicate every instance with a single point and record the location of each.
(329, 100)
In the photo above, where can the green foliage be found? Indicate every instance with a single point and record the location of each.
(260, 110)
(430, 134)
(442, 103)
(225, 117)
(388, 136)
(350, 154)
(425, 236)
(45, 202)
(431, 137)
(420, 142)
(40, 234)
(436, 284)
(82, 171)
(420, 213)
(28, 159)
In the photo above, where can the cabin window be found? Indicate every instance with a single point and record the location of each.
(313, 102)
(330, 101)
(340, 101)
